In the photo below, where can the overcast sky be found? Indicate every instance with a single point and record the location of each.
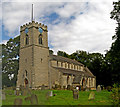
(83, 25)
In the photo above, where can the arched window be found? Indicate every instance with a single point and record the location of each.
(40, 39)
(27, 40)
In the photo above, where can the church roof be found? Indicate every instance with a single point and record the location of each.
(64, 59)
(75, 72)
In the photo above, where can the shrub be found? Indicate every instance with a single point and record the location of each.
(115, 96)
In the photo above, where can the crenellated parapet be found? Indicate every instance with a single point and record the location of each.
(33, 24)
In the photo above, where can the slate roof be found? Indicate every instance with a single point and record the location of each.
(75, 72)
(64, 59)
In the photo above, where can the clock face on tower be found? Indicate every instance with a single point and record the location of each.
(40, 30)
(26, 30)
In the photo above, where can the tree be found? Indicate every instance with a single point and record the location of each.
(61, 53)
(114, 53)
(51, 52)
(10, 60)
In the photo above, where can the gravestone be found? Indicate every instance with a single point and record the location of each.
(64, 87)
(76, 94)
(29, 91)
(18, 102)
(68, 87)
(26, 91)
(82, 88)
(34, 99)
(3, 96)
(17, 92)
(71, 87)
(103, 88)
(27, 98)
(91, 96)
(53, 86)
(14, 92)
(49, 93)
(56, 86)
(59, 87)
(43, 87)
(98, 88)
(87, 89)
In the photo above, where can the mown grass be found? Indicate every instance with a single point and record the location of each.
(63, 97)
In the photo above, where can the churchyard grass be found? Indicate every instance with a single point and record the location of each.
(62, 97)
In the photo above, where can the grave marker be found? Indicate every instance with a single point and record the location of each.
(28, 99)
(87, 89)
(49, 93)
(34, 99)
(3, 96)
(18, 102)
(76, 94)
(91, 96)
(43, 87)
(98, 88)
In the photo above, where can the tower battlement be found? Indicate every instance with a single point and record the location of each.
(33, 24)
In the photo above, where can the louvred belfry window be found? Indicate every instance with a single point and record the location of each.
(27, 40)
(40, 39)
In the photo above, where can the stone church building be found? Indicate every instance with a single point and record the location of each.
(37, 67)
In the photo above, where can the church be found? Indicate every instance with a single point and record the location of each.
(37, 67)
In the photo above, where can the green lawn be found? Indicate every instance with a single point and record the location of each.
(63, 97)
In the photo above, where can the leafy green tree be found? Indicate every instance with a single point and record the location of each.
(51, 52)
(10, 60)
(61, 53)
(114, 53)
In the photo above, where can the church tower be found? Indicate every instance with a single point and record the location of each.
(34, 54)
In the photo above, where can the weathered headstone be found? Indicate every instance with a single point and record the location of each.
(64, 87)
(76, 94)
(98, 88)
(87, 89)
(56, 86)
(3, 96)
(34, 99)
(26, 91)
(103, 88)
(43, 87)
(17, 92)
(91, 96)
(53, 86)
(82, 88)
(68, 87)
(14, 92)
(27, 98)
(59, 87)
(18, 102)
(49, 93)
